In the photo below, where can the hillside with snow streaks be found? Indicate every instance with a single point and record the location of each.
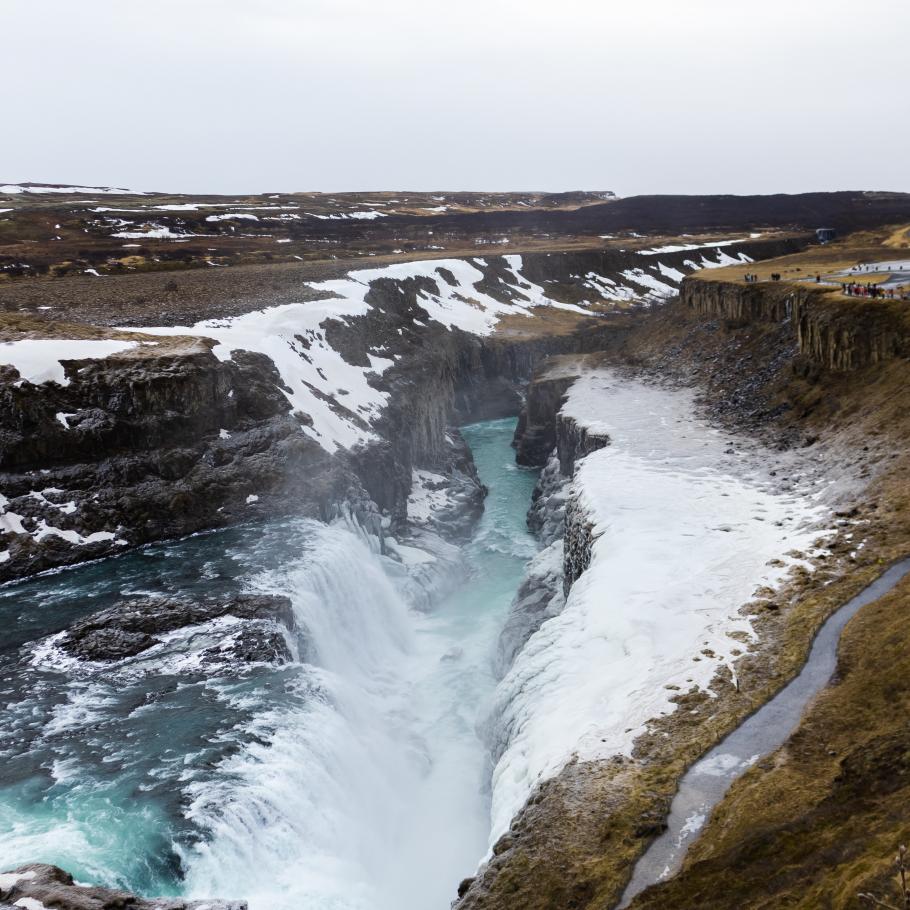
(338, 396)
(334, 398)
(341, 399)
(457, 302)
(682, 534)
(337, 400)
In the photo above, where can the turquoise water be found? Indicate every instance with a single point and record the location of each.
(355, 781)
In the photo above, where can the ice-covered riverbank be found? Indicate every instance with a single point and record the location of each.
(680, 524)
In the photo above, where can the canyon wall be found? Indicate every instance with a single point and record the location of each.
(150, 446)
(167, 439)
(833, 333)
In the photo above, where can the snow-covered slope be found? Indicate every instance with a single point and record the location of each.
(339, 398)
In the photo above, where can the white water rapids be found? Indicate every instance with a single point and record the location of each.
(375, 795)
(365, 793)
(354, 780)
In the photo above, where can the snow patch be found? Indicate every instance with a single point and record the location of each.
(679, 248)
(13, 189)
(233, 216)
(8, 879)
(410, 556)
(29, 903)
(656, 287)
(429, 495)
(357, 216)
(41, 360)
(155, 232)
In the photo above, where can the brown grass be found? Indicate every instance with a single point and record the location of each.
(826, 260)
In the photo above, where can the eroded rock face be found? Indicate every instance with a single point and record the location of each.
(574, 441)
(542, 428)
(38, 886)
(132, 626)
(136, 449)
(577, 543)
(535, 436)
(832, 334)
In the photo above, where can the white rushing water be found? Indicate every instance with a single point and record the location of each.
(293, 815)
(354, 779)
(370, 791)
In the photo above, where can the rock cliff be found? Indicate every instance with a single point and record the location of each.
(831, 332)
(147, 446)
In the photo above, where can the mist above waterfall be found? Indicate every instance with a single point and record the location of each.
(353, 779)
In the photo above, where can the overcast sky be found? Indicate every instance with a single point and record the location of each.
(636, 96)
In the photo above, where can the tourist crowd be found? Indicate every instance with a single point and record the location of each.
(751, 277)
(874, 291)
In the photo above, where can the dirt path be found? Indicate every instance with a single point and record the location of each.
(707, 781)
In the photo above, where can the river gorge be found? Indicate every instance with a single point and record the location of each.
(428, 587)
(377, 765)
(356, 779)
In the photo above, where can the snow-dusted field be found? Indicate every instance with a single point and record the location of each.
(15, 189)
(684, 535)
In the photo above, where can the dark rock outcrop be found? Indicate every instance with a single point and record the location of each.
(132, 626)
(149, 447)
(39, 884)
(535, 435)
(577, 543)
(542, 429)
(574, 441)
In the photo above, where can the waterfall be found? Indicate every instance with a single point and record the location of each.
(358, 780)
(306, 812)
(353, 778)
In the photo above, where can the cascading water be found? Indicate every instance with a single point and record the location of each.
(353, 779)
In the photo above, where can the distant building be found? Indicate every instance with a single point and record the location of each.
(825, 234)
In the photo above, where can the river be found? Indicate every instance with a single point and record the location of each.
(353, 780)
